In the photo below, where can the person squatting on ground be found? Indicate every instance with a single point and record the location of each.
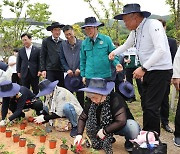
(104, 115)
(16, 98)
(150, 40)
(64, 104)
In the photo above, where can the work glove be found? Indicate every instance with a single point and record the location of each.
(2, 122)
(78, 140)
(39, 119)
(101, 134)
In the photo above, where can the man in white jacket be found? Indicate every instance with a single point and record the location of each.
(149, 38)
(176, 82)
(64, 104)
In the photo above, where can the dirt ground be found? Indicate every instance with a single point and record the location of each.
(118, 146)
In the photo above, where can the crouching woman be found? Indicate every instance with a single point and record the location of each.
(104, 115)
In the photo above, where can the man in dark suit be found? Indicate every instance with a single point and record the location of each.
(164, 112)
(28, 63)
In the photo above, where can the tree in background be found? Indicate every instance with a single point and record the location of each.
(112, 28)
(78, 31)
(173, 26)
(24, 14)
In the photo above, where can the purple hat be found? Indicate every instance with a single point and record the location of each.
(3, 66)
(131, 8)
(73, 83)
(54, 25)
(46, 87)
(99, 86)
(126, 88)
(8, 89)
(91, 22)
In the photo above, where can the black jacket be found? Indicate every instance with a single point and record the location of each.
(173, 47)
(20, 102)
(33, 63)
(49, 57)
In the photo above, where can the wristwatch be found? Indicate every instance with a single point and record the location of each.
(144, 69)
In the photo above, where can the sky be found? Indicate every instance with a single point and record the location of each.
(71, 11)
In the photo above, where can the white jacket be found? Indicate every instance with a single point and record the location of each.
(62, 96)
(176, 65)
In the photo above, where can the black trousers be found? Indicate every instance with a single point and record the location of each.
(154, 88)
(37, 106)
(80, 98)
(15, 78)
(129, 78)
(177, 119)
(29, 80)
(56, 75)
(164, 112)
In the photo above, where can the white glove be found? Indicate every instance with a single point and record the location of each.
(100, 134)
(2, 122)
(78, 139)
(39, 119)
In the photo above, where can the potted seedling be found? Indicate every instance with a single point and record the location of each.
(31, 118)
(8, 130)
(52, 143)
(64, 147)
(22, 122)
(2, 129)
(41, 150)
(22, 142)
(17, 135)
(42, 136)
(41, 133)
(30, 147)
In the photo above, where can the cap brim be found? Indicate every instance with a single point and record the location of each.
(146, 14)
(109, 88)
(12, 92)
(49, 28)
(48, 89)
(98, 24)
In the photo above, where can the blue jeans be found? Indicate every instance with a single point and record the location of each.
(70, 113)
(130, 130)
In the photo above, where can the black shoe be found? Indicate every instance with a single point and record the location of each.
(167, 128)
(128, 146)
(177, 141)
(73, 132)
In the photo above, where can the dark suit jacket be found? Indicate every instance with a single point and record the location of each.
(33, 63)
(173, 47)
